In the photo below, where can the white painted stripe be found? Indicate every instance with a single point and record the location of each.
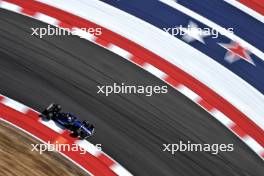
(215, 26)
(52, 125)
(254, 145)
(245, 9)
(15, 105)
(119, 170)
(175, 51)
(222, 118)
(188, 92)
(158, 73)
(9, 6)
(83, 34)
(46, 19)
(119, 51)
(92, 149)
(89, 147)
(262, 154)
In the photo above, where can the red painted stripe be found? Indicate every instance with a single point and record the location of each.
(172, 81)
(256, 5)
(106, 160)
(88, 161)
(102, 42)
(205, 105)
(29, 12)
(32, 114)
(65, 25)
(176, 73)
(137, 61)
(237, 130)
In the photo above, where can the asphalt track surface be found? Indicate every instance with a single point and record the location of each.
(131, 128)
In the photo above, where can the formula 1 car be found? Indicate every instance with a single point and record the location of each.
(83, 130)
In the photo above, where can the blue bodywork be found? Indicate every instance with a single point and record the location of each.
(70, 122)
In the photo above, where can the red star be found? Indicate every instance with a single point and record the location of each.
(236, 52)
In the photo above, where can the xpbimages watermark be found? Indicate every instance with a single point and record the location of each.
(131, 89)
(58, 147)
(193, 30)
(192, 147)
(51, 31)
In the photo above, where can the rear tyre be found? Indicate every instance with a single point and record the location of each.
(53, 108)
(50, 107)
(49, 116)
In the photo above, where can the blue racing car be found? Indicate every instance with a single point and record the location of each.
(83, 129)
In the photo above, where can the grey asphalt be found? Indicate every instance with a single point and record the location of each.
(131, 128)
